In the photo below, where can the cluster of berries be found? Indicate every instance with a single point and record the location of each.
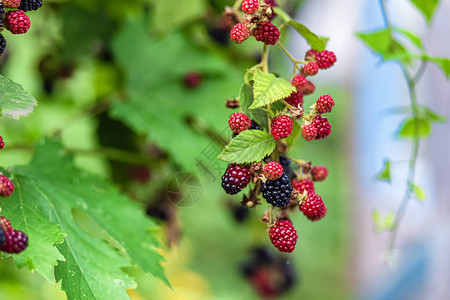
(256, 21)
(13, 17)
(11, 240)
(272, 177)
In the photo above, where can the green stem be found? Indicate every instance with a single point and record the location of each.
(400, 213)
(289, 55)
(265, 59)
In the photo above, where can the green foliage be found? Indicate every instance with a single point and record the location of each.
(158, 99)
(426, 7)
(249, 146)
(296, 130)
(246, 99)
(414, 38)
(414, 128)
(418, 192)
(14, 101)
(443, 63)
(48, 191)
(382, 224)
(382, 42)
(316, 42)
(268, 88)
(386, 173)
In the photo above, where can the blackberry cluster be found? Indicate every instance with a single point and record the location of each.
(267, 33)
(277, 192)
(283, 236)
(2, 12)
(27, 5)
(295, 99)
(2, 45)
(236, 178)
(313, 207)
(6, 186)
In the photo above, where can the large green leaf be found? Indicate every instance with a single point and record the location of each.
(268, 88)
(14, 101)
(383, 43)
(48, 191)
(179, 120)
(249, 146)
(316, 42)
(426, 7)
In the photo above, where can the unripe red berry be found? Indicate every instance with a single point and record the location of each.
(267, 33)
(311, 68)
(239, 33)
(311, 54)
(319, 173)
(323, 126)
(295, 99)
(17, 22)
(2, 144)
(272, 4)
(325, 104)
(239, 122)
(299, 81)
(192, 80)
(309, 132)
(273, 170)
(313, 207)
(11, 3)
(5, 224)
(281, 127)
(6, 186)
(302, 185)
(283, 236)
(250, 6)
(309, 88)
(15, 241)
(325, 59)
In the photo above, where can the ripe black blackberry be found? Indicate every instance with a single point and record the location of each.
(27, 5)
(277, 192)
(2, 237)
(2, 44)
(236, 178)
(286, 164)
(2, 12)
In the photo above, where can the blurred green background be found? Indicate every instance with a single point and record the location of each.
(109, 78)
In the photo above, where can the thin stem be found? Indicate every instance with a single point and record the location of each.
(265, 59)
(297, 161)
(288, 54)
(400, 213)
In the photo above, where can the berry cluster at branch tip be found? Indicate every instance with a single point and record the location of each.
(11, 240)
(258, 159)
(14, 19)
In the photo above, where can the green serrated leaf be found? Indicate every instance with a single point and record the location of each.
(52, 187)
(386, 173)
(383, 43)
(415, 39)
(316, 42)
(411, 125)
(418, 192)
(268, 88)
(283, 15)
(292, 138)
(246, 100)
(249, 146)
(426, 7)
(443, 63)
(14, 101)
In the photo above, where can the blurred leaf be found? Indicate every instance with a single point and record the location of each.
(415, 39)
(383, 43)
(168, 15)
(386, 173)
(316, 42)
(48, 190)
(283, 15)
(386, 223)
(426, 7)
(160, 106)
(443, 63)
(409, 127)
(14, 101)
(418, 192)
(296, 130)
(268, 88)
(249, 146)
(431, 115)
(257, 115)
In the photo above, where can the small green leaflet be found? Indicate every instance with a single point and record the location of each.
(249, 146)
(415, 39)
(383, 43)
(386, 223)
(386, 173)
(14, 101)
(316, 42)
(426, 7)
(257, 115)
(268, 88)
(418, 192)
(443, 63)
(415, 127)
